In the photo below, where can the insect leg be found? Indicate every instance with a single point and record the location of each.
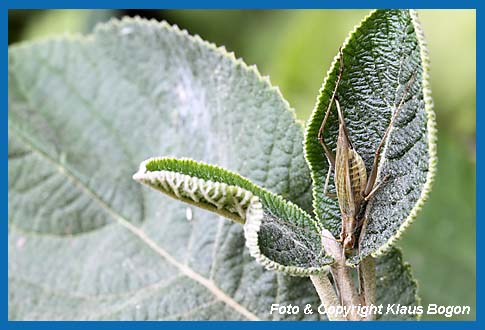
(376, 187)
(327, 179)
(373, 173)
(362, 231)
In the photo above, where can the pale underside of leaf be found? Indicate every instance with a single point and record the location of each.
(382, 56)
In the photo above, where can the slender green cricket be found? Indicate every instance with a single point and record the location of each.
(354, 188)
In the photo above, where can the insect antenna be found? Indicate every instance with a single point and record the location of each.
(401, 102)
(334, 93)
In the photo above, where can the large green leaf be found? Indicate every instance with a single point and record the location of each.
(383, 56)
(85, 240)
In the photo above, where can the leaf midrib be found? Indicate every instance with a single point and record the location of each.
(139, 233)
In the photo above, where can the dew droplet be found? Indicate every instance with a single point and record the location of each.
(188, 214)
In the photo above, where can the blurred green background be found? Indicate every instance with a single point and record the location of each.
(295, 48)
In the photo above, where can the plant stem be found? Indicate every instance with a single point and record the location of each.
(348, 294)
(327, 295)
(344, 285)
(368, 280)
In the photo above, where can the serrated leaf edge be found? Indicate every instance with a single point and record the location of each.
(253, 69)
(432, 138)
(67, 36)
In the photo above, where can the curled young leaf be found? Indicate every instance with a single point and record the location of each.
(278, 233)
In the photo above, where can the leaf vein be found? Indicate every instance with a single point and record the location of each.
(196, 277)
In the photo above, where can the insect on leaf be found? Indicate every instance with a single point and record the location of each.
(381, 57)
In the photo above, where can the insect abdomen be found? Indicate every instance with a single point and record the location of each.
(358, 175)
(349, 201)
